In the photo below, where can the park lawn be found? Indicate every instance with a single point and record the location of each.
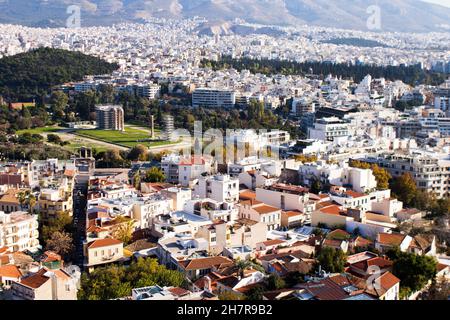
(41, 130)
(129, 138)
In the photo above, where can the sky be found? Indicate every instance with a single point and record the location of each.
(441, 2)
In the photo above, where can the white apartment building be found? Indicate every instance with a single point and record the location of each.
(19, 231)
(149, 91)
(190, 169)
(213, 98)
(213, 210)
(271, 167)
(329, 129)
(221, 188)
(361, 180)
(179, 197)
(286, 197)
(430, 173)
(146, 211)
(169, 165)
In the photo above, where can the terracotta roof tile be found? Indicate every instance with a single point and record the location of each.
(10, 271)
(103, 243)
(265, 209)
(394, 239)
(205, 263)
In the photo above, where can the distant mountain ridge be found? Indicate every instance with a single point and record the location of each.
(396, 15)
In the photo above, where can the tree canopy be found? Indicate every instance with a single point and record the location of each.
(117, 281)
(27, 75)
(331, 260)
(414, 271)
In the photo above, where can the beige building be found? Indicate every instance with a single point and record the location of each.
(53, 202)
(218, 236)
(19, 231)
(245, 232)
(46, 285)
(103, 251)
(260, 212)
(9, 201)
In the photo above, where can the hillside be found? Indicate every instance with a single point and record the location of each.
(26, 75)
(396, 15)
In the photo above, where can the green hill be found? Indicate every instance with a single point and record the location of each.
(27, 75)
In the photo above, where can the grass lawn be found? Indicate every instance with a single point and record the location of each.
(40, 130)
(129, 138)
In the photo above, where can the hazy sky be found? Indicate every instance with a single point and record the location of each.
(442, 2)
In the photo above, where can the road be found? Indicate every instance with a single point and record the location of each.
(79, 216)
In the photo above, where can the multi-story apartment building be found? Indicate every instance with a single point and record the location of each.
(19, 231)
(221, 188)
(286, 197)
(213, 98)
(170, 168)
(260, 212)
(191, 168)
(328, 129)
(110, 118)
(16, 175)
(431, 174)
(52, 202)
(149, 91)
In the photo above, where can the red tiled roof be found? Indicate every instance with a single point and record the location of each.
(291, 214)
(69, 173)
(388, 280)
(36, 280)
(354, 194)
(441, 266)
(362, 242)
(179, 292)
(10, 271)
(247, 195)
(103, 243)
(336, 210)
(205, 263)
(377, 261)
(4, 250)
(273, 242)
(265, 209)
(394, 239)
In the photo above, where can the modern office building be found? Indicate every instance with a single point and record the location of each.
(213, 98)
(110, 118)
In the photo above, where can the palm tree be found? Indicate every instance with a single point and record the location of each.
(22, 197)
(31, 202)
(243, 265)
